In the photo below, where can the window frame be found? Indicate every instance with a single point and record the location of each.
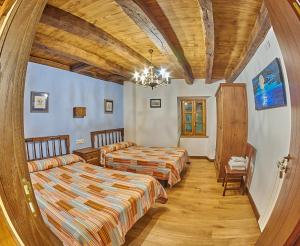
(183, 112)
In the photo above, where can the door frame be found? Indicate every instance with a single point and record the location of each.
(283, 226)
(15, 42)
(16, 38)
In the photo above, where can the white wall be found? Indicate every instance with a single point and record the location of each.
(159, 126)
(269, 131)
(129, 107)
(68, 90)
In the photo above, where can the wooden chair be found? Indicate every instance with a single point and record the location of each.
(238, 175)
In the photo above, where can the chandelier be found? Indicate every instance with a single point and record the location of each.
(152, 77)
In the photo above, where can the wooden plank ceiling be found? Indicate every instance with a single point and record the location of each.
(110, 39)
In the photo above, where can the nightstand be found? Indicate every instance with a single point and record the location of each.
(90, 155)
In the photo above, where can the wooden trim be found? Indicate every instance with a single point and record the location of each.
(253, 205)
(284, 220)
(58, 47)
(163, 36)
(202, 157)
(38, 148)
(43, 61)
(257, 36)
(230, 85)
(6, 6)
(193, 112)
(208, 27)
(78, 67)
(106, 137)
(16, 39)
(195, 136)
(67, 22)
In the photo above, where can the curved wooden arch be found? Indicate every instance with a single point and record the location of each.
(16, 39)
(283, 228)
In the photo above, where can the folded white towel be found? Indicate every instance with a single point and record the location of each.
(237, 163)
(238, 158)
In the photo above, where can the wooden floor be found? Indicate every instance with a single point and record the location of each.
(198, 214)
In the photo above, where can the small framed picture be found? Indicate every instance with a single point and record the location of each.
(108, 106)
(39, 102)
(155, 103)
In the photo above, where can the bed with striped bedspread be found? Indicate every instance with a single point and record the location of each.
(89, 205)
(163, 163)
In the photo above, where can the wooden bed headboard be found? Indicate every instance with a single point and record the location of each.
(106, 137)
(46, 147)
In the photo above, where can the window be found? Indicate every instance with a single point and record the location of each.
(193, 117)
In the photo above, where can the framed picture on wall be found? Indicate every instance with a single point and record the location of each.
(39, 102)
(155, 103)
(108, 106)
(269, 87)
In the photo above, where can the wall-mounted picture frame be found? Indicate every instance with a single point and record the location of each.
(108, 106)
(155, 103)
(39, 102)
(269, 88)
(79, 112)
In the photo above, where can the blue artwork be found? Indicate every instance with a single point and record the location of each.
(268, 87)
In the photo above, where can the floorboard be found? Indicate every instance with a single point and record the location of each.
(198, 214)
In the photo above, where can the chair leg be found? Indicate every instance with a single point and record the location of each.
(244, 188)
(241, 183)
(223, 181)
(225, 187)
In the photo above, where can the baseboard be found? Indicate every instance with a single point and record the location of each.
(202, 157)
(254, 208)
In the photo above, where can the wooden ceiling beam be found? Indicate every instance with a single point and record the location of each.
(47, 62)
(159, 31)
(208, 26)
(79, 67)
(257, 36)
(67, 50)
(67, 22)
(111, 78)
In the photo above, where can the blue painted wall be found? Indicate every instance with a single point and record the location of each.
(68, 90)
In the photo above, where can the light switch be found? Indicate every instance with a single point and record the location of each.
(80, 141)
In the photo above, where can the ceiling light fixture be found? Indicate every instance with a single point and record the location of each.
(152, 77)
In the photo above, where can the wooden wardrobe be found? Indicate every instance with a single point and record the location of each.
(232, 124)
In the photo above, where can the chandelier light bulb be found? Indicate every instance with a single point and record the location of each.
(162, 72)
(136, 76)
(167, 75)
(151, 76)
(146, 71)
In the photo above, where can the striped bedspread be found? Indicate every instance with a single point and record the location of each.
(159, 162)
(90, 205)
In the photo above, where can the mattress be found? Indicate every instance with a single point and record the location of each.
(160, 162)
(89, 205)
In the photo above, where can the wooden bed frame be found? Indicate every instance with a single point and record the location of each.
(39, 148)
(106, 137)
(112, 136)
